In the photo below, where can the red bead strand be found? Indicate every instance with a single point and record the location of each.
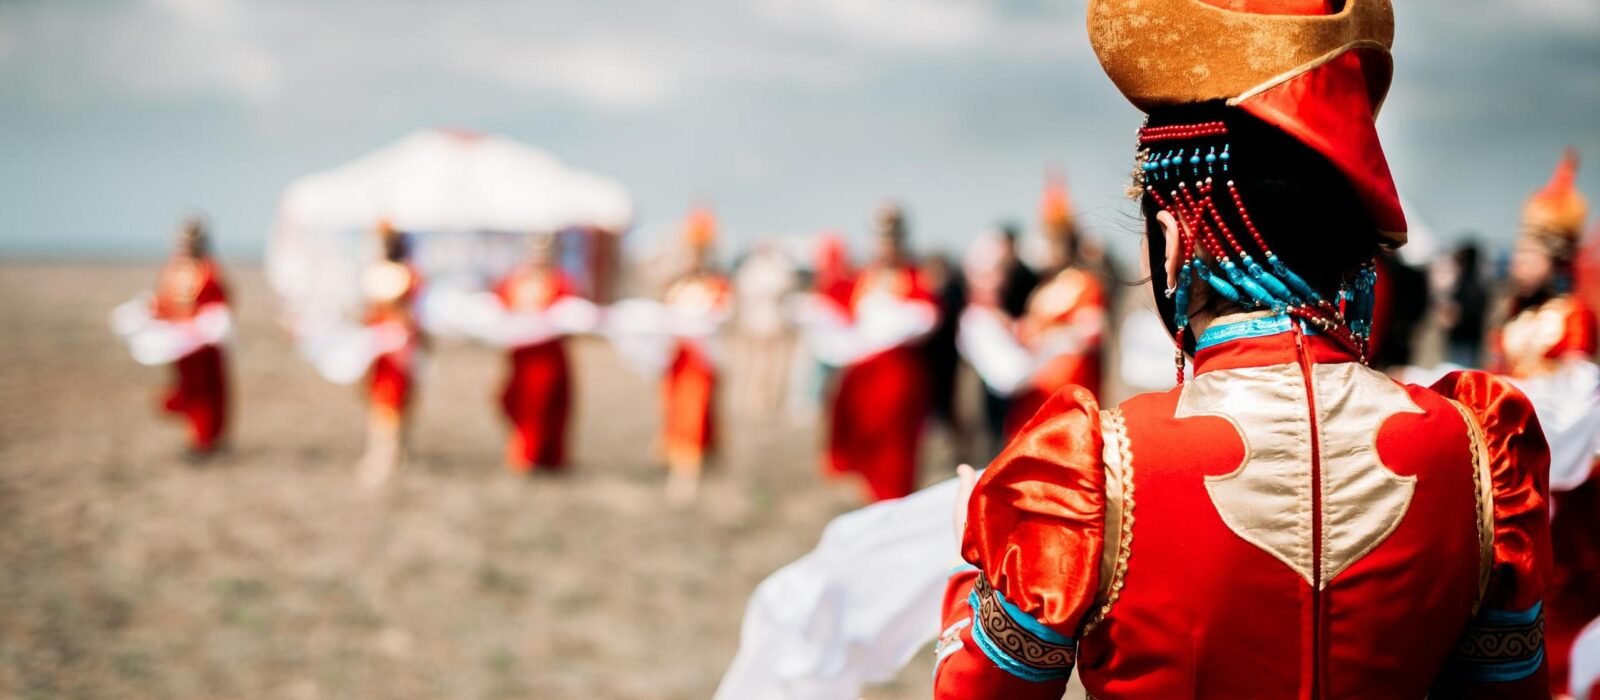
(1177, 132)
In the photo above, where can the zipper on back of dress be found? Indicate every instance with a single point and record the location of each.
(1303, 356)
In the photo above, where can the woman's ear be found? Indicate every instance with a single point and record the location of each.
(1170, 234)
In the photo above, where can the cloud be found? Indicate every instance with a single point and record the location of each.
(610, 54)
(150, 49)
(923, 25)
(659, 55)
(1577, 16)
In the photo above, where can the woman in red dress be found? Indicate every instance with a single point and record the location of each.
(189, 285)
(1547, 328)
(883, 397)
(1064, 319)
(1547, 324)
(390, 287)
(1290, 523)
(538, 395)
(689, 388)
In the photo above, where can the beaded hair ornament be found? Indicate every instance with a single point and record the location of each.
(1182, 167)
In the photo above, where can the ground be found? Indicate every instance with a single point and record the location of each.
(265, 573)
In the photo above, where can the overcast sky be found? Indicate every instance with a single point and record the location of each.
(791, 115)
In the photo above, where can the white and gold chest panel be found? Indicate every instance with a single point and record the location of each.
(1297, 486)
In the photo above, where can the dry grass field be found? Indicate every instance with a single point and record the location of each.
(264, 573)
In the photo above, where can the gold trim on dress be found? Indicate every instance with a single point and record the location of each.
(1483, 484)
(1117, 455)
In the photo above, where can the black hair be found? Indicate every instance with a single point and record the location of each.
(1468, 254)
(396, 248)
(195, 238)
(1304, 207)
(1010, 230)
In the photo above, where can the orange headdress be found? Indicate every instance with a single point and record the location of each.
(1315, 73)
(1554, 216)
(700, 227)
(1055, 206)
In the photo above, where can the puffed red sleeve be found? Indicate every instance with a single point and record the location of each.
(1502, 653)
(1582, 332)
(1035, 531)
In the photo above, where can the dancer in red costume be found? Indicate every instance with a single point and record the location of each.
(882, 397)
(538, 393)
(1547, 324)
(1548, 329)
(1289, 523)
(190, 285)
(390, 287)
(689, 388)
(1065, 317)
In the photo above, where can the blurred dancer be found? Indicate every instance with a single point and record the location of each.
(189, 286)
(1065, 317)
(537, 397)
(1546, 323)
(1289, 523)
(1550, 331)
(812, 377)
(882, 397)
(1015, 285)
(1468, 304)
(690, 385)
(761, 288)
(390, 288)
(1054, 343)
(1400, 303)
(1017, 280)
(943, 359)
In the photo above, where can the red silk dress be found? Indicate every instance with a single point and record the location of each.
(1073, 297)
(1288, 524)
(537, 399)
(882, 400)
(689, 388)
(1533, 342)
(391, 288)
(199, 391)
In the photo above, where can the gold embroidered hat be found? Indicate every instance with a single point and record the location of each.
(1316, 69)
(1055, 206)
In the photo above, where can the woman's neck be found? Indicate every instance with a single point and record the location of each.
(1202, 320)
